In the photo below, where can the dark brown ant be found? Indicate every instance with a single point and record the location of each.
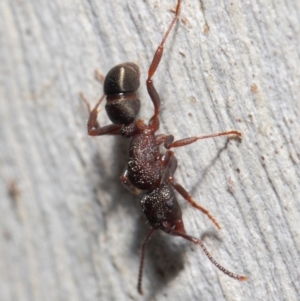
(149, 172)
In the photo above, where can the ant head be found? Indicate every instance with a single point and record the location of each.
(162, 209)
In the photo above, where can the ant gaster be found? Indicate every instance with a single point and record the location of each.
(149, 173)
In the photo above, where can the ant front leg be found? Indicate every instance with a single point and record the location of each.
(93, 127)
(172, 166)
(154, 64)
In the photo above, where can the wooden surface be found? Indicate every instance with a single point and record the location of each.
(69, 230)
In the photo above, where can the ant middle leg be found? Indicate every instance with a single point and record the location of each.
(168, 140)
(171, 168)
(154, 64)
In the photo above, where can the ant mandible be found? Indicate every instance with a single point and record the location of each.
(149, 173)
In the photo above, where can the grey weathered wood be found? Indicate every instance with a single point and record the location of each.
(69, 230)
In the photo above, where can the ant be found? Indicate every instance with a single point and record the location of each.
(149, 172)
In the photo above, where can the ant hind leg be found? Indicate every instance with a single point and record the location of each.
(93, 126)
(99, 76)
(154, 64)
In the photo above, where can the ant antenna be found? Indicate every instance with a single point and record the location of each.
(200, 243)
(139, 286)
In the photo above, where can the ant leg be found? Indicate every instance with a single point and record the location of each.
(140, 278)
(154, 64)
(95, 109)
(125, 181)
(99, 76)
(200, 243)
(93, 127)
(169, 140)
(171, 170)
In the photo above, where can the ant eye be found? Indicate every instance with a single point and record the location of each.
(160, 216)
(170, 203)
